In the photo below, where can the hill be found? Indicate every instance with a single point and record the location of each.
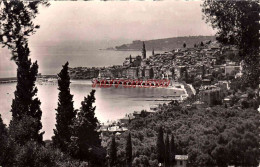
(165, 43)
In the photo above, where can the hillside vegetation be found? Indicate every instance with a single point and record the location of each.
(210, 136)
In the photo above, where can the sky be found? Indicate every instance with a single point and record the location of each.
(106, 24)
(91, 21)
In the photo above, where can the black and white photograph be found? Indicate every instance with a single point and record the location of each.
(129, 83)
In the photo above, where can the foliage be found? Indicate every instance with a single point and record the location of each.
(33, 154)
(128, 150)
(113, 152)
(16, 25)
(86, 144)
(205, 135)
(65, 111)
(160, 146)
(237, 24)
(167, 151)
(172, 150)
(3, 142)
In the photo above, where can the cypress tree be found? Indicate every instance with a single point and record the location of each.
(7, 146)
(3, 139)
(113, 152)
(65, 111)
(26, 121)
(167, 151)
(16, 25)
(85, 127)
(3, 129)
(130, 59)
(160, 146)
(172, 150)
(128, 150)
(153, 52)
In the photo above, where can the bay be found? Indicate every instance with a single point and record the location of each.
(111, 103)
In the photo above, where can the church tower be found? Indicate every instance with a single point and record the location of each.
(144, 51)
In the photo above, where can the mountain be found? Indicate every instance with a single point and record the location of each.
(165, 43)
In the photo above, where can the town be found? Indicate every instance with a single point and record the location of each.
(203, 71)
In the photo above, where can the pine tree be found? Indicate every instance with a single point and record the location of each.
(153, 52)
(128, 150)
(85, 133)
(113, 152)
(65, 111)
(160, 146)
(184, 45)
(172, 150)
(167, 151)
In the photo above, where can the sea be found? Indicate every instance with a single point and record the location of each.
(111, 103)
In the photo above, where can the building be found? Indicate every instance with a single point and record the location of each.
(126, 62)
(137, 61)
(132, 73)
(179, 71)
(148, 73)
(105, 73)
(126, 119)
(232, 69)
(211, 95)
(181, 160)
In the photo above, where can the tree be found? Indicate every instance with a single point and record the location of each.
(113, 152)
(237, 24)
(65, 111)
(16, 25)
(201, 44)
(130, 59)
(153, 52)
(85, 140)
(184, 45)
(3, 140)
(160, 146)
(167, 151)
(128, 150)
(3, 130)
(172, 150)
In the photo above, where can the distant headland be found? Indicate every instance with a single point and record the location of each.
(163, 44)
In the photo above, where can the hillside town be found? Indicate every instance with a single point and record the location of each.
(204, 71)
(206, 67)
